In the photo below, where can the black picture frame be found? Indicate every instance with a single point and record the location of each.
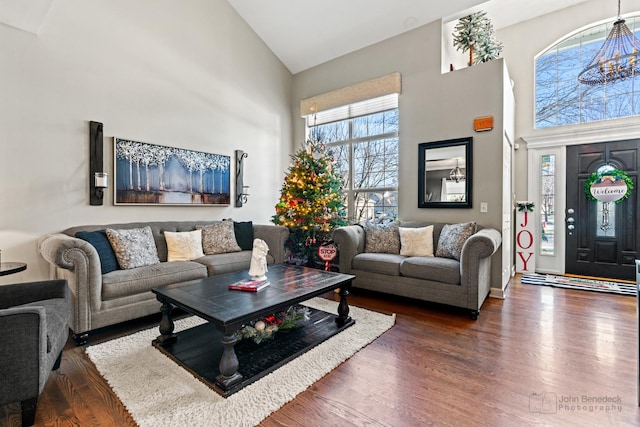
(437, 162)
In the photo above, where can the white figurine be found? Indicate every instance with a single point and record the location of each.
(258, 260)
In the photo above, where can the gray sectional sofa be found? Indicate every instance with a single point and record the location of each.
(101, 300)
(461, 283)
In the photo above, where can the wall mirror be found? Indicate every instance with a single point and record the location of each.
(445, 173)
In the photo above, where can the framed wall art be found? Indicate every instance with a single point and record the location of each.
(149, 174)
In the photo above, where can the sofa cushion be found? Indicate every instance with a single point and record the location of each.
(218, 238)
(378, 263)
(382, 238)
(416, 241)
(121, 283)
(452, 238)
(244, 234)
(226, 263)
(99, 240)
(445, 270)
(183, 245)
(134, 247)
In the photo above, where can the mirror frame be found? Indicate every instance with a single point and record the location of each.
(423, 156)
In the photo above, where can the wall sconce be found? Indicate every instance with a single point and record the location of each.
(245, 194)
(241, 189)
(98, 179)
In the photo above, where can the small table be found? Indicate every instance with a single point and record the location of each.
(7, 268)
(199, 348)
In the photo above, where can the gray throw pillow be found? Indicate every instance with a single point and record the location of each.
(382, 238)
(452, 238)
(218, 238)
(134, 247)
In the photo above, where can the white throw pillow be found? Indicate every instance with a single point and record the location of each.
(183, 246)
(416, 241)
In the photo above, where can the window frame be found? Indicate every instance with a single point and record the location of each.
(349, 192)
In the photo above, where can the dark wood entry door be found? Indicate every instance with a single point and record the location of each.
(592, 248)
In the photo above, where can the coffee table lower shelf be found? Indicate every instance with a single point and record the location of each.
(199, 350)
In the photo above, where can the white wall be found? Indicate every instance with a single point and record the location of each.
(433, 106)
(188, 74)
(525, 40)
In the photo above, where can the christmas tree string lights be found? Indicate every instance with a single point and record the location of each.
(311, 203)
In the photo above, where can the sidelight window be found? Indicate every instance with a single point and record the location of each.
(546, 203)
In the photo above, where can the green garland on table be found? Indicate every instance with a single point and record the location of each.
(597, 176)
(264, 329)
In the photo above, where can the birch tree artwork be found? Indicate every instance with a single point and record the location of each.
(155, 174)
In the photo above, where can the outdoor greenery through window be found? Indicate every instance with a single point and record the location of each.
(562, 100)
(547, 195)
(365, 146)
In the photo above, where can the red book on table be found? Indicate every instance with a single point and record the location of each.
(249, 285)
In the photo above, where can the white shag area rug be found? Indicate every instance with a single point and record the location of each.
(157, 392)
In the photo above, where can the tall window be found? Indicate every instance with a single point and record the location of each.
(547, 197)
(364, 140)
(562, 100)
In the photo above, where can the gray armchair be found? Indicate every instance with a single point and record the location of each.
(34, 328)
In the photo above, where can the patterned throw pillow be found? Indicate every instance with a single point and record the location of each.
(218, 238)
(452, 238)
(382, 238)
(183, 246)
(416, 241)
(134, 247)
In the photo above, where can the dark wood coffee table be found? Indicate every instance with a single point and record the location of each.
(212, 352)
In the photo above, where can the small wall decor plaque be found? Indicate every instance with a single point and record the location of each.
(481, 124)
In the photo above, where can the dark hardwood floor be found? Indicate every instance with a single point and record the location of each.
(528, 360)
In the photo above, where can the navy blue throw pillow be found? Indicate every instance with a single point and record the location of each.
(99, 240)
(244, 234)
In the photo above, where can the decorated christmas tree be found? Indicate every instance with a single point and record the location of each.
(310, 204)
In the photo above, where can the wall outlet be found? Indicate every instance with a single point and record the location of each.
(483, 207)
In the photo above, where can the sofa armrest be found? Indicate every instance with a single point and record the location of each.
(350, 242)
(482, 244)
(23, 334)
(475, 265)
(24, 293)
(275, 237)
(78, 262)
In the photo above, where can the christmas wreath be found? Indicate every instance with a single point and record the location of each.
(596, 178)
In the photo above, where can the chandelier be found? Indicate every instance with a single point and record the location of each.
(617, 59)
(456, 173)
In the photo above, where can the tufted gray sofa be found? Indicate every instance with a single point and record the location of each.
(106, 299)
(464, 283)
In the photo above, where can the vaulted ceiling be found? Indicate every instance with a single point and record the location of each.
(305, 33)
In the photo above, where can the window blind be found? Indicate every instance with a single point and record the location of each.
(354, 94)
(370, 106)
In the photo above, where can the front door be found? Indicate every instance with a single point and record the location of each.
(602, 238)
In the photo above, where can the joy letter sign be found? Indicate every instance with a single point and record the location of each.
(525, 244)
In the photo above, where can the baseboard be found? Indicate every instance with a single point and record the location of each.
(497, 293)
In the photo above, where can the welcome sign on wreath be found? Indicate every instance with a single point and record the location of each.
(608, 184)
